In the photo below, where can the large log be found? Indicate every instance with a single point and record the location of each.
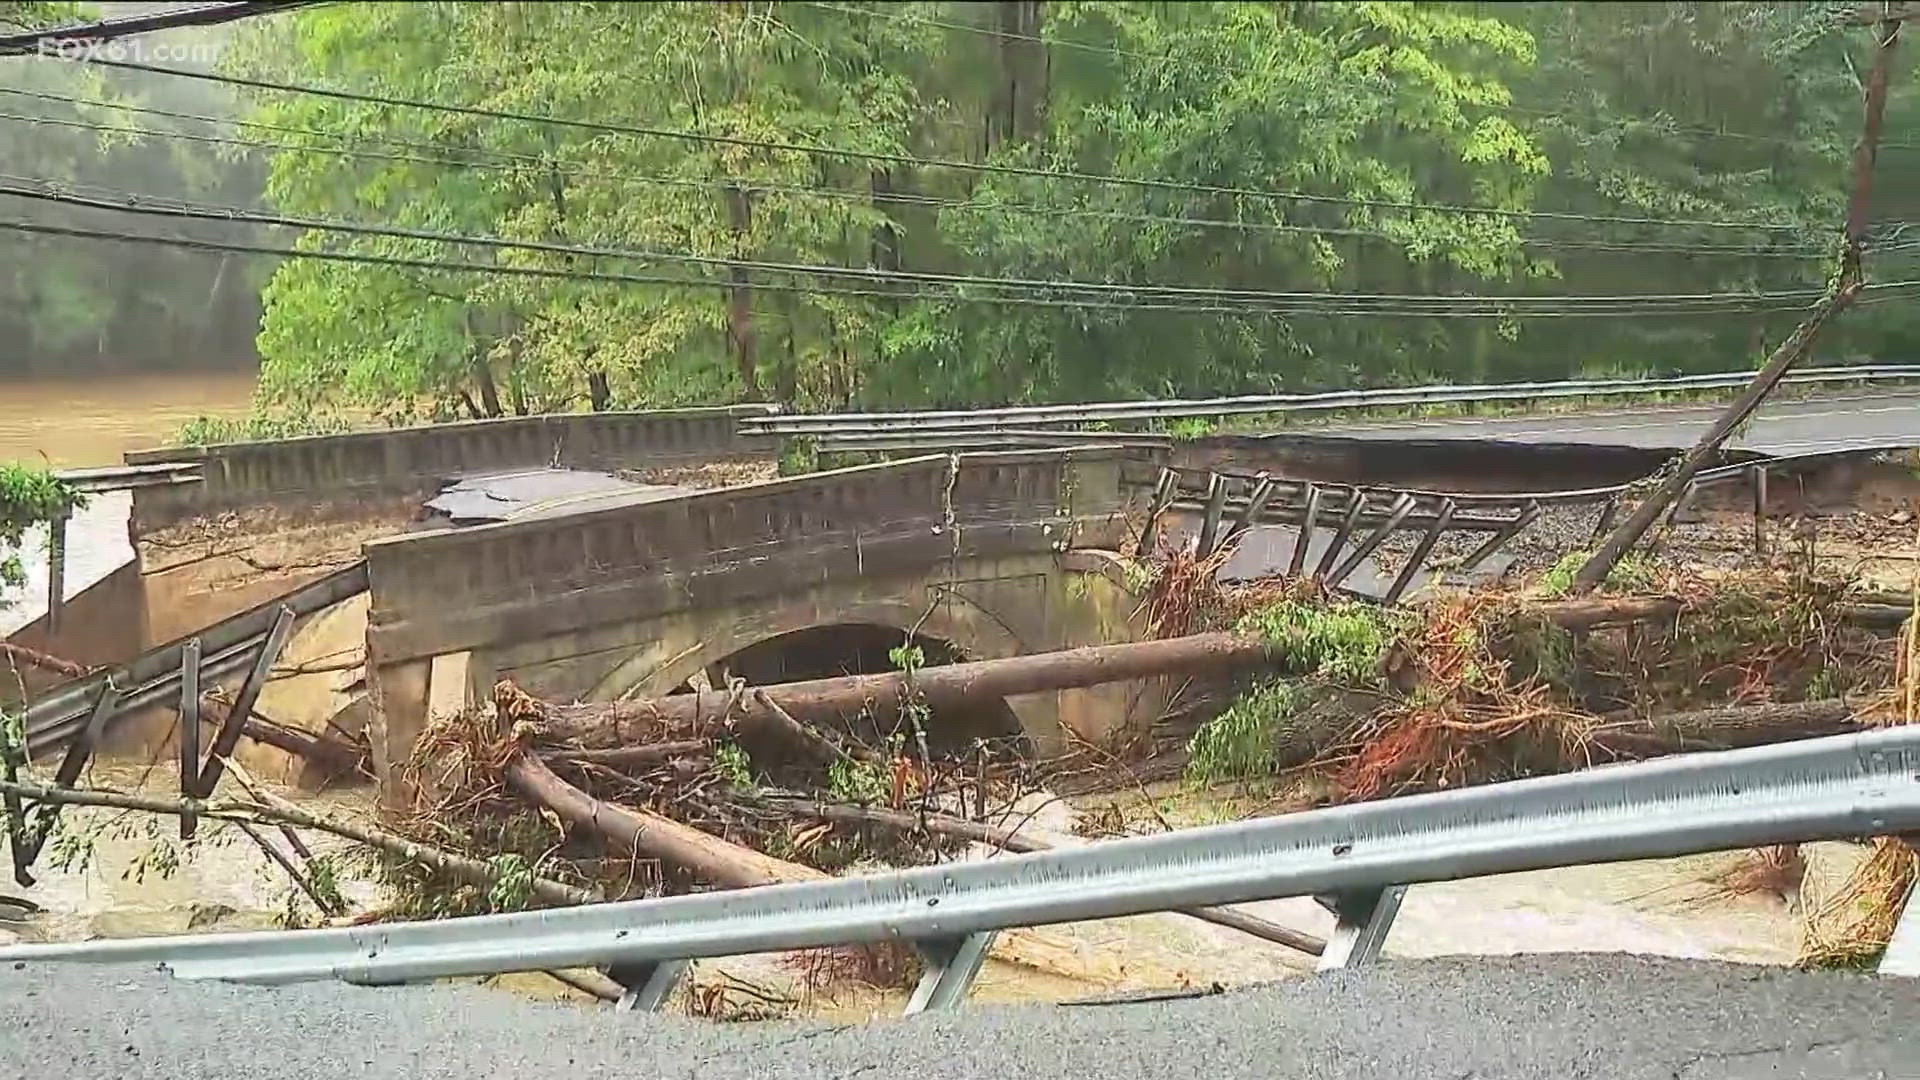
(649, 835)
(1009, 840)
(1593, 612)
(774, 709)
(721, 862)
(1724, 728)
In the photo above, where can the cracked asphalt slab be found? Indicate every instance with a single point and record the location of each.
(1608, 1017)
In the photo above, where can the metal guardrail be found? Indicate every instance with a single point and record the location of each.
(1230, 502)
(127, 477)
(843, 426)
(1357, 858)
(226, 647)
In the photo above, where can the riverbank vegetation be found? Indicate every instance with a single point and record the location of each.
(29, 497)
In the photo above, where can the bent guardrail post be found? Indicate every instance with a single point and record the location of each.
(228, 737)
(1250, 513)
(1308, 519)
(648, 986)
(188, 737)
(1420, 553)
(71, 765)
(1363, 918)
(1499, 539)
(1210, 522)
(1401, 508)
(1356, 505)
(1757, 480)
(952, 964)
(1163, 491)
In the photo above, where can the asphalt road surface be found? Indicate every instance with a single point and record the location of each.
(1552, 1018)
(1788, 427)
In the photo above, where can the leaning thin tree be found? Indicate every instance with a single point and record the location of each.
(1846, 285)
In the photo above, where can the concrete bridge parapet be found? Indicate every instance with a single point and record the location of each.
(342, 472)
(970, 548)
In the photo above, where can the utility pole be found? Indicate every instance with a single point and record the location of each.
(1846, 286)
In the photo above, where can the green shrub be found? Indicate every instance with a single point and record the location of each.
(1631, 574)
(255, 427)
(1240, 743)
(1342, 641)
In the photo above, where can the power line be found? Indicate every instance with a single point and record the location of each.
(1451, 311)
(123, 202)
(57, 38)
(835, 194)
(907, 159)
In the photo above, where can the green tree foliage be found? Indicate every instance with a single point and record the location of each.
(1386, 113)
(28, 497)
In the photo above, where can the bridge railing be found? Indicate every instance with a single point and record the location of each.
(456, 589)
(1357, 858)
(338, 468)
(885, 430)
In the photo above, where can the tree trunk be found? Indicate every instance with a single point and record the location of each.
(1020, 92)
(740, 296)
(599, 396)
(1008, 840)
(1724, 728)
(825, 700)
(729, 865)
(707, 857)
(1588, 614)
(1591, 613)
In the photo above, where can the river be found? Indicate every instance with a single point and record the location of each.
(77, 422)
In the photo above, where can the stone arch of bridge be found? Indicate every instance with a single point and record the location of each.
(945, 624)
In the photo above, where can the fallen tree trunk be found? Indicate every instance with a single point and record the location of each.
(1588, 614)
(32, 657)
(1009, 840)
(1725, 728)
(778, 709)
(648, 835)
(620, 757)
(332, 753)
(1594, 612)
(475, 871)
(722, 862)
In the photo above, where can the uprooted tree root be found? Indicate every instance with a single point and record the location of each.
(1851, 927)
(1477, 687)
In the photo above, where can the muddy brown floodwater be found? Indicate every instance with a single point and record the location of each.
(93, 420)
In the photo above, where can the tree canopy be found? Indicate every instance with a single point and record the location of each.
(949, 165)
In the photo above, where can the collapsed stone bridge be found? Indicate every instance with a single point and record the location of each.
(623, 593)
(979, 555)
